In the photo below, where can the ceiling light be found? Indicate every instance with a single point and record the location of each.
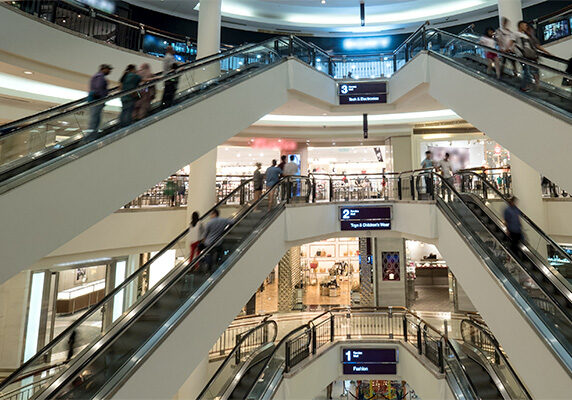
(323, 1)
(28, 72)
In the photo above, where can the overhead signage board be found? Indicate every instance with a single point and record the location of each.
(362, 92)
(365, 218)
(370, 361)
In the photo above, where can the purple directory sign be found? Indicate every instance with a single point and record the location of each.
(362, 92)
(364, 361)
(365, 218)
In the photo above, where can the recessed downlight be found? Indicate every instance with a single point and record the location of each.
(28, 72)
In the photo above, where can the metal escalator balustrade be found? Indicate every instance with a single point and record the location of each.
(393, 323)
(522, 278)
(102, 367)
(235, 366)
(95, 323)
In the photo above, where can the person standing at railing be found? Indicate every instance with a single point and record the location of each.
(272, 178)
(143, 105)
(257, 181)
(291, 169)
(129, 80)
(97, 90)
(447, 173)
(428, 165)
(505, 39)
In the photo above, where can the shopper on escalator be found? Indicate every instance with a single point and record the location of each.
(170, 88)
(273, 174)
(97, 90)
(513, 224)
(129, 80)
(212, 232)
(196, 233)
(492, 58)
(257, 181)
(505, 39)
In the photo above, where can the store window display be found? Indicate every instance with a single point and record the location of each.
(346, 160)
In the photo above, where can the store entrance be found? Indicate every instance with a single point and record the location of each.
(428, 278)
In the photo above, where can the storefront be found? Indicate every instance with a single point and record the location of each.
(347, 160)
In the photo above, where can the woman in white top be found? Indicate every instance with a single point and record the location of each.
(492, 57)
(196, 232)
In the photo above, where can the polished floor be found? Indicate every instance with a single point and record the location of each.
(432, 298)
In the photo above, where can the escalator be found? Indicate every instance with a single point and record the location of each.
(135, 319)
(539, 290)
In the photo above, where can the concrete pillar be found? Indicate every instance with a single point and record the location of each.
(304, 164)
(13, 308)
(195, 382)
(401, 154)
(202, 175)
(511, 9)
(390, 268)
(526, 187)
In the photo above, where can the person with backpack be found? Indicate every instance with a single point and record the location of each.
(526, 49)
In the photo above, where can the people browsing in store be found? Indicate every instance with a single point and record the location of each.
(492, 58)
(146, 95)
(196, 233)
(129, 80)
(428, 165)
(257, 181)
(447, 173)
(97, 90)
(213, 230)
(170, 88)
(273, 174)
(512, 221)
(505, 39)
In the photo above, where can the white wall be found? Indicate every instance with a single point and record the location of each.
(71, 56)
(558, 219)
(312, 376)
(66, 201)
(561, 48)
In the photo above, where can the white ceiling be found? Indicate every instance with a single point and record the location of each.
(335, 17)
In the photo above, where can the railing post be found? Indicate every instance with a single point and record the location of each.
(394, 63)
(54, 12)
(419, 343)
(314, 340)
(291, 45)
(404, 327)
(407, 52)
(432, 180)
(440, 356)
(424, 38)
(484, 177)
(313, 189)
(399, 189)
(462, 183)
(330, 67)
(390, 317)
(331, 184)
(242, 194)
(237, 355)
(349, 332)
(413, 187)
(332, 329)
(288, 190)
(288, 352)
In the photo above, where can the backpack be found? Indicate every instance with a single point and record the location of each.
(527, 48)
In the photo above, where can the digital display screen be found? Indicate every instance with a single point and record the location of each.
(157, 46)
(362, 92)
(556, 30)
(369, 361)
(364, 213)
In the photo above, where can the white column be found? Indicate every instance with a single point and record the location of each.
(401, 154)
(202, 184)
(511, 9)
(304, 164)
(526, 187)
(202, 175)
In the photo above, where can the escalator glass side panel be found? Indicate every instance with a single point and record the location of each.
(537, 82)
(104, 316)
(32, 143)
(103, 366)
(482, 341)
(552, 321)
(541, 245)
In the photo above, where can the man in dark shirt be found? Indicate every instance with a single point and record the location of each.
(512, 222)
(97, 90)
(282, 162)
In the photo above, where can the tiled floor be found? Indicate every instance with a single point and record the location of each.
(432, 298)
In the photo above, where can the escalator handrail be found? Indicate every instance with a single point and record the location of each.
(231, 355)
(504, 54)
(522, 299)
(140, 307)
(453, 346)
(411, 37)
(160, 78)
(497, 350)
(523, 215)
(562, 286)
(111, 294)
